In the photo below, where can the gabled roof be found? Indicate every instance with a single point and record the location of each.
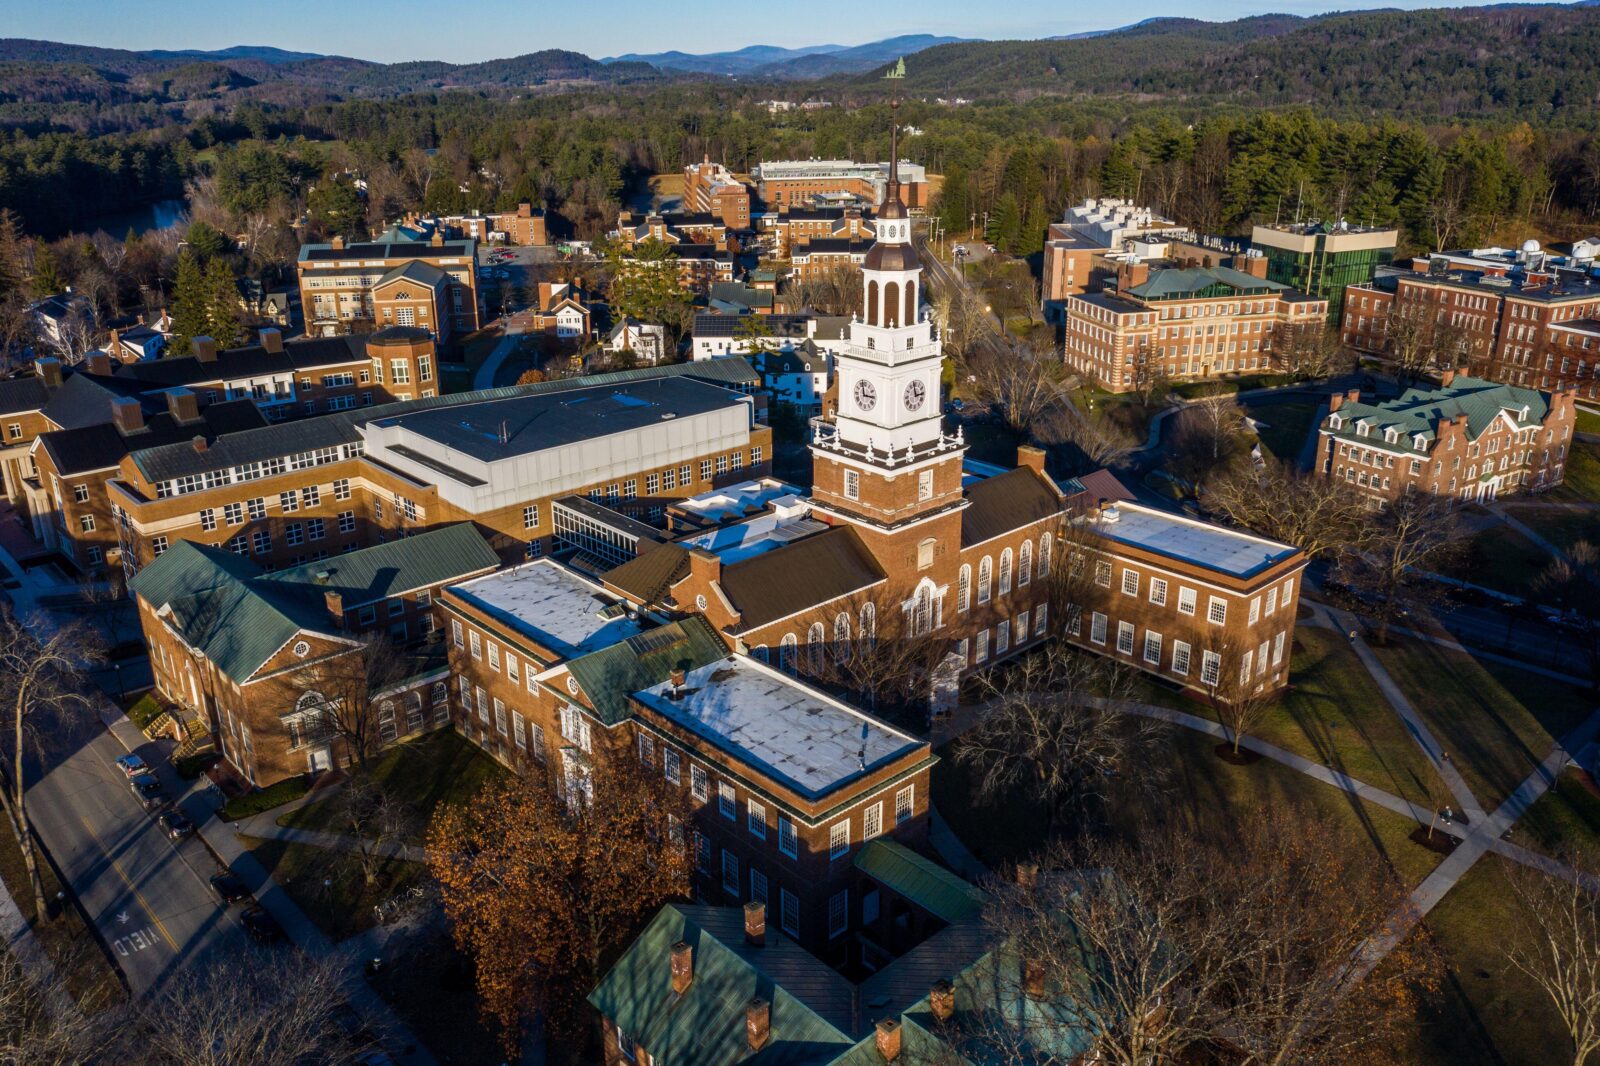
(811, 1012)
(787, 580)
(247, 361)
(922, 881)
(85, 399)
(1419, 410)
(1186, 281)
(102, 444)
(647, 577)
(22, 394)
(415, 271)
(609, 675)
(1008, 501)
(400, 566)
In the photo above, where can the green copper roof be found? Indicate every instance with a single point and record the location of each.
(609, 675)
(1193, 281)
(1418, 411)
(400, 566)
(705, 1026)
(922, 881)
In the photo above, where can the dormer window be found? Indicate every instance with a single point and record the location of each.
(1363, 427)
(1335, 422)
(1391, 435)
(1523, 417)
(1419, 443)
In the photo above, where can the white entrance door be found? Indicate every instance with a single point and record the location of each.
(321, 759)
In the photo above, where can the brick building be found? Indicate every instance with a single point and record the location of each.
(503, 459)
(790, 227)
(676, 227)
(817, 256)
(1192, 323)
(1534, 330)
(1465, 439)
(243, 649)
(797, 183)
(711, 188)
(1089, 240)
(367, 285)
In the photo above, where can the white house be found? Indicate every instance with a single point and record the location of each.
(646, 340)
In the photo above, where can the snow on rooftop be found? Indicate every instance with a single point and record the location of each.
(785, 523)
(803, 738)
(1200, 543)
(556, 607)
(736, 501)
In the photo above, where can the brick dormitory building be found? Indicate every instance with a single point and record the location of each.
(366, 285)
(666, 601)
(1464, 439)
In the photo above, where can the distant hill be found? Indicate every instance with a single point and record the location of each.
(772, 61)
(1513, 60)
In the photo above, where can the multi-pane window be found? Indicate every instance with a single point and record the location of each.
(670, 766)
(730, 872)
(699, 782)
(258, 507)
(726, 802)
(1130, 582)
(756, 818)
(838, 839)
(647, 749)
(341, 489)
(1097, 628)
(500, 717)
(1217, 610)
(494, 656)
(347, 521)
(530, 516)
(239, 545)
(311, 496)
(789, 912)
(1125, 638)
(520, 728)
(456, 634)
(838, 913)
(652, 484)
(904, 801)
(575, 726)
(705, 470)
(261, 541)
(290, 501)
(294, 534)
(1210, 667)
(852, 485)
(1152, 647)
(964, 589)
(513, 669)
(233, 513)
(316, 528)
(477, 645)
(208, 519)
(872, 821)
(1186, 600)
(788, 839)
(758, 886)
(159, 544)
(1102, 574)
(1158, 591)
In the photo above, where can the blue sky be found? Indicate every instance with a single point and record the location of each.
(390, 30)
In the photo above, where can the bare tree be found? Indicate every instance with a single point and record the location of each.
(1094, 438)
(257, 1009)
(40, 1025)
(74, 335)
(1571, 582)
(41, 676)
(1236, 690)
(1217, 410)
(1407, 337)
(1314, 513)
(1415, 533)
(834, 291)
(1021, 382)
(1558, 949)
(961, 319)
(891, 667)
(1310, 351)
(353, 687)
(1150, 378)
(377, 820)
(1052, 730)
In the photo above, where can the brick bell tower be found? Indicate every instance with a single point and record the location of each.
(885, 464)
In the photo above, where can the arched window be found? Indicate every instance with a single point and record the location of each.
(786, 651)
(1005, 571)
(1044, 555)
(911, 302)
(1025, 563)
(816, 636)
(922, 612)
(872, 303)
(841, 629)
(762, 652)
(440, 694)
(985, 574)
(869, 622)
(891, 304)
(964, 588)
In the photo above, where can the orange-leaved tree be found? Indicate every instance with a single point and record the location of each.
(546, 879)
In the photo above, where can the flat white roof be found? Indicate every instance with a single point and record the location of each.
(1227, 551)
(809, 741)
(734, 501)
(785, 523)
(559, 609)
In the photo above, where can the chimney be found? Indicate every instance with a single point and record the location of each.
(1027, 874)
(682, 967)
(183, 405)
(757, 1023)
(679, 679)
(1353, 396)
(1132, 274)
(1254, 265)
(99, 363)
(201, 444)
(271, 339)
(335, 603)
(1447, 377)
(705, 567)
(204, 348)
(524, 210)
(437, 240)
(49, 372)
(337, 244)
(942, 999)
(755, 924)
(1335, 402)
(1029, 456)
(1033, 979)
(127, 414)
(115, 347)
(888, 1039)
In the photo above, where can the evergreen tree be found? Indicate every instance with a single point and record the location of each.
(222, 305)
(1034, 227)
(335, 208)
(46, 279)
(207, 241)
(190, 300)
(1005, 225)
(11, 272)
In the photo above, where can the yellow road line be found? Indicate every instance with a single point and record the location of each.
(117, 866)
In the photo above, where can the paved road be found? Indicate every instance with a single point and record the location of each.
(147, 897)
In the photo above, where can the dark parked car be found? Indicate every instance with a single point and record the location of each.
(176, 824)
(229, 888)
(147, 790)
(262, 927)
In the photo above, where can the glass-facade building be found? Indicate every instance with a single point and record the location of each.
(1320, 261)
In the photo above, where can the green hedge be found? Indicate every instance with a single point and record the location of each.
(264, 799)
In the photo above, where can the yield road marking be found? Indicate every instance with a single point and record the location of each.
(117, 866)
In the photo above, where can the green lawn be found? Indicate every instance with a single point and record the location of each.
(1486, 1014)
(1566, 819)
(330, 886)
(264, 799)
(436, 768)
(1581, 480)
(1561, 527)
(1500, 558)
(1586, 422)
(1496, 722)
(144, 710)
(1285, 425)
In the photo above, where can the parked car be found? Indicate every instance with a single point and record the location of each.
(262, 927)
(147, 790)
(132, 766)
(176, 824)
(229, 888)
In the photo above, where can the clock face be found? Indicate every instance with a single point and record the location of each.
(916, 392)
(866, 395)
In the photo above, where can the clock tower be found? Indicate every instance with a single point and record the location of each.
(885, 463)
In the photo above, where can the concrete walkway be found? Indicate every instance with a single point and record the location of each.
(265, 827)
(955, 854)
(484, 378)
(1527, 531)
(1492, 656)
